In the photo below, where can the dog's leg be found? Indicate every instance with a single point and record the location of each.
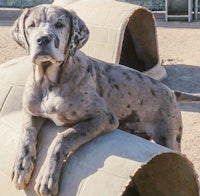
(168, 129)
(172, 141)
(26, 152)
(69, 141)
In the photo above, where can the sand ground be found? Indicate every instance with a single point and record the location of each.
(179, 48)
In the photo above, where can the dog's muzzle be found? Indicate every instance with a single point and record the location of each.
(44, 53)
(44, 40)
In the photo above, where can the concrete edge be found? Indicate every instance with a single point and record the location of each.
(9, 13)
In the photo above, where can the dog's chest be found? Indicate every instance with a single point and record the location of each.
(57, 104)
(51, 107)
(60, 108)
(51, 102)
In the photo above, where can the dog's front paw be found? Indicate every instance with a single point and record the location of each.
(23, 168)
(47, 180)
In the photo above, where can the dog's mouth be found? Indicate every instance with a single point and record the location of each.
(43, 60)
(42, 57)
(45, 65)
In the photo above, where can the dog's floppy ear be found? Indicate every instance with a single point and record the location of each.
(79, 34)
(18, 29)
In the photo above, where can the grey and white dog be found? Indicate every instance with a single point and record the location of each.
(88, 96)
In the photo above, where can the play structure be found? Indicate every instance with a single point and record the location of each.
(117, 163)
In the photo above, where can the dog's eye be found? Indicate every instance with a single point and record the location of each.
(32, 24)
(58, 24)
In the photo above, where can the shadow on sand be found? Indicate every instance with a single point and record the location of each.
(184, 78)
(178, 24)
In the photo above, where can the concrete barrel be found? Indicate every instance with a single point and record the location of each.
(117, 163)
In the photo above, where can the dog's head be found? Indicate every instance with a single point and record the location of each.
(48, 32)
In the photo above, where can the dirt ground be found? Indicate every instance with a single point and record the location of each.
(179, 46)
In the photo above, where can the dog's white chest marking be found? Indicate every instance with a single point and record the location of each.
(51, 106)
(50, 100)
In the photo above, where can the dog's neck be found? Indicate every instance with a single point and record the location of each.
(72, 72)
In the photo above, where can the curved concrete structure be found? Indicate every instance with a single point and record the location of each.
(117, 163)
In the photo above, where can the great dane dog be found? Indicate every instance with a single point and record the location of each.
(88, 96)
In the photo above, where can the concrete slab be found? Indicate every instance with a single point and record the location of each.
(9, 13)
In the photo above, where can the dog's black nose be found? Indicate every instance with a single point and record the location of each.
(43, 40)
